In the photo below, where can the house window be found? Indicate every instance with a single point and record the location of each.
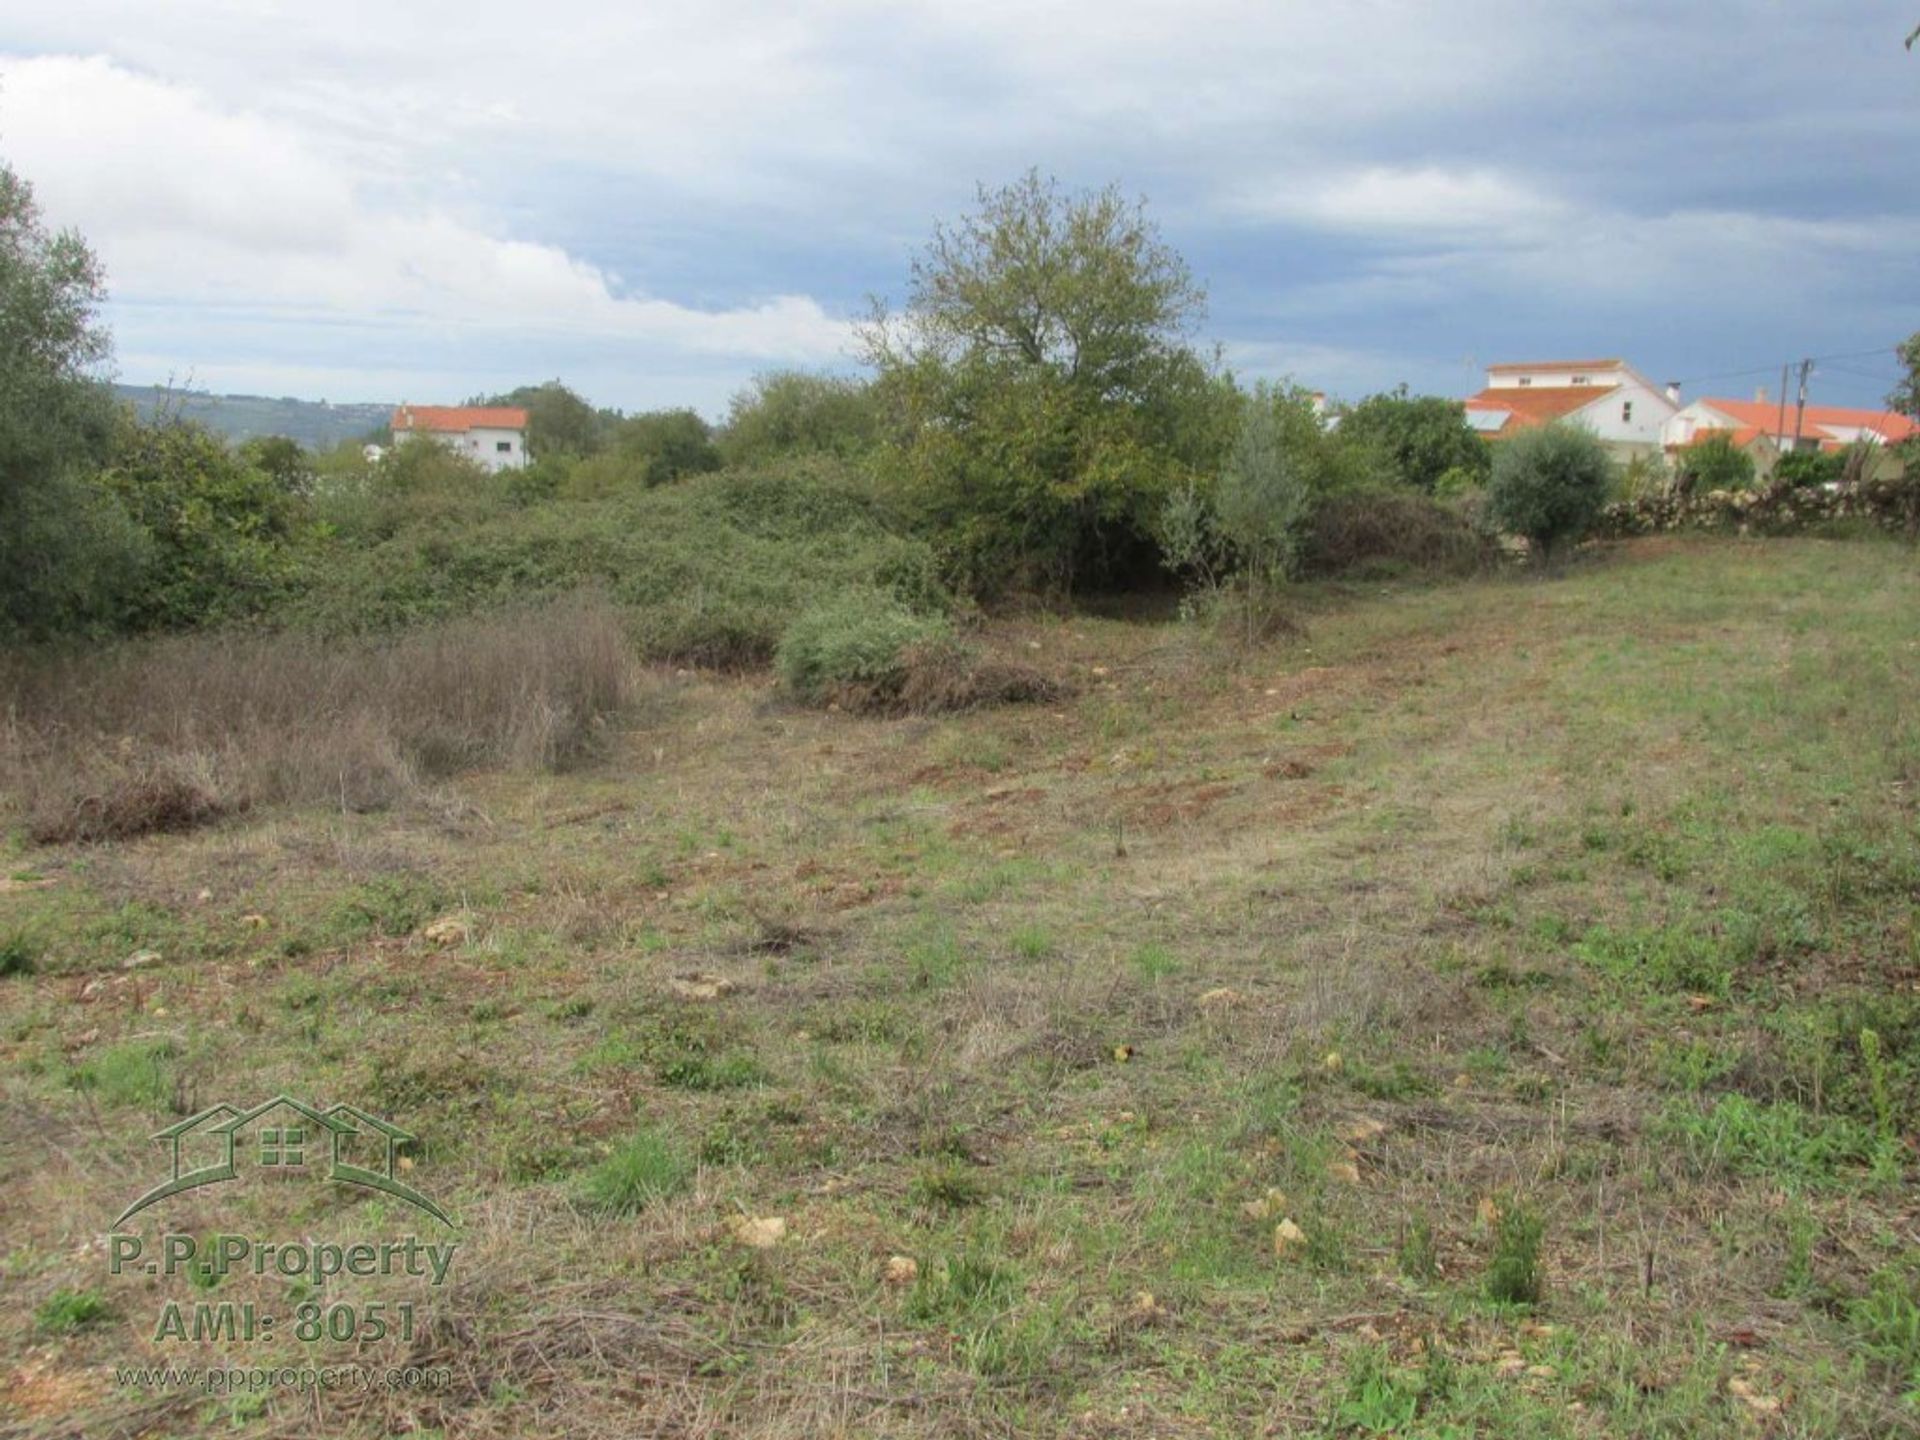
(283, 1147)
(1581, 380)
(505, 447)
(1626, 412)
(1526, 379)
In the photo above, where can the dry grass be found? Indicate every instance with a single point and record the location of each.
(165, 735)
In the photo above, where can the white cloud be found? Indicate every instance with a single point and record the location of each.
(1429, 203)
(192, 204)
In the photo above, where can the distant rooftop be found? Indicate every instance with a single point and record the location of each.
(454, 419)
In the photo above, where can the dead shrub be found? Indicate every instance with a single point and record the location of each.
(943, 677)
(168, 734)
(1391, 531)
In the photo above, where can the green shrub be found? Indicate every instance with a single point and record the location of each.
(860, 638)
(1549, 485)
(1804, 469)
(66, 1311)
(791, 412)
(1714, 463)
(646, 1167)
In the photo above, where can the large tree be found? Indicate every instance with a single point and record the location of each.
(66, 550)
(1039, 387)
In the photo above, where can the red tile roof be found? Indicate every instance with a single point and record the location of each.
(1537, 404)
(457, 418)
(1764, 416)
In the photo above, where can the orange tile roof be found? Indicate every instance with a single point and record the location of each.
(456, 418)
(1555, 365)
(1537, 404)
(1765, 416)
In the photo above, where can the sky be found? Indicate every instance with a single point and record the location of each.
(657, 201)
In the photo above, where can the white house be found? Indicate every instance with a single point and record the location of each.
(1609, 397)
(492, 436)
(1767, 429)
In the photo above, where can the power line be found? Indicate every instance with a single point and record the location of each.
(1886, 350)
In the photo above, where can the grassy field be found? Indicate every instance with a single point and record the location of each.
(1494, 1010)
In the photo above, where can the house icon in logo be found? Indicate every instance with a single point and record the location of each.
(285, 1136)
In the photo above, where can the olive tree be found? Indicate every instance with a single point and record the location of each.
(1548, 485)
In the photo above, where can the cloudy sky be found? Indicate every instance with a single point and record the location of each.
(654, 201)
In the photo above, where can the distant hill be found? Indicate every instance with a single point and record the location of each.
(316, 424)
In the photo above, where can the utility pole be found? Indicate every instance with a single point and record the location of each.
(1800, 410)
(1780, 425)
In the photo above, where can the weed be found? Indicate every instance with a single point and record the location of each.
(1031, 942)
(391, 905)
(19, 955)
(1514, 1276)
(66, 1311)
(1153, 963)
(1887, 1320)
(137, 1073)
(1395, 1081)
(948, 1186)
(646, 1167)
(968, 1284)
(1379, 1399)
(1419, 1257)
(698, 1071)
(1780, 1141)
(1667, 959)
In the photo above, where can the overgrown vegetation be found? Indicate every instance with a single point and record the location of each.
(166, 735)
(1407, 1028)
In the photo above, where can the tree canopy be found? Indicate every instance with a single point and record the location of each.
(1419, 437)
(64, 545)
(1038, 388)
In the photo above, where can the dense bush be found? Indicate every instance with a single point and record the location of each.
(1803, 469)
(220, 533)
(710, 570)
(1039, 394)
(1714, 463)
(857, 638)
(1390, 532)
(1422, 440)
(1549, 485)
(792, 412)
